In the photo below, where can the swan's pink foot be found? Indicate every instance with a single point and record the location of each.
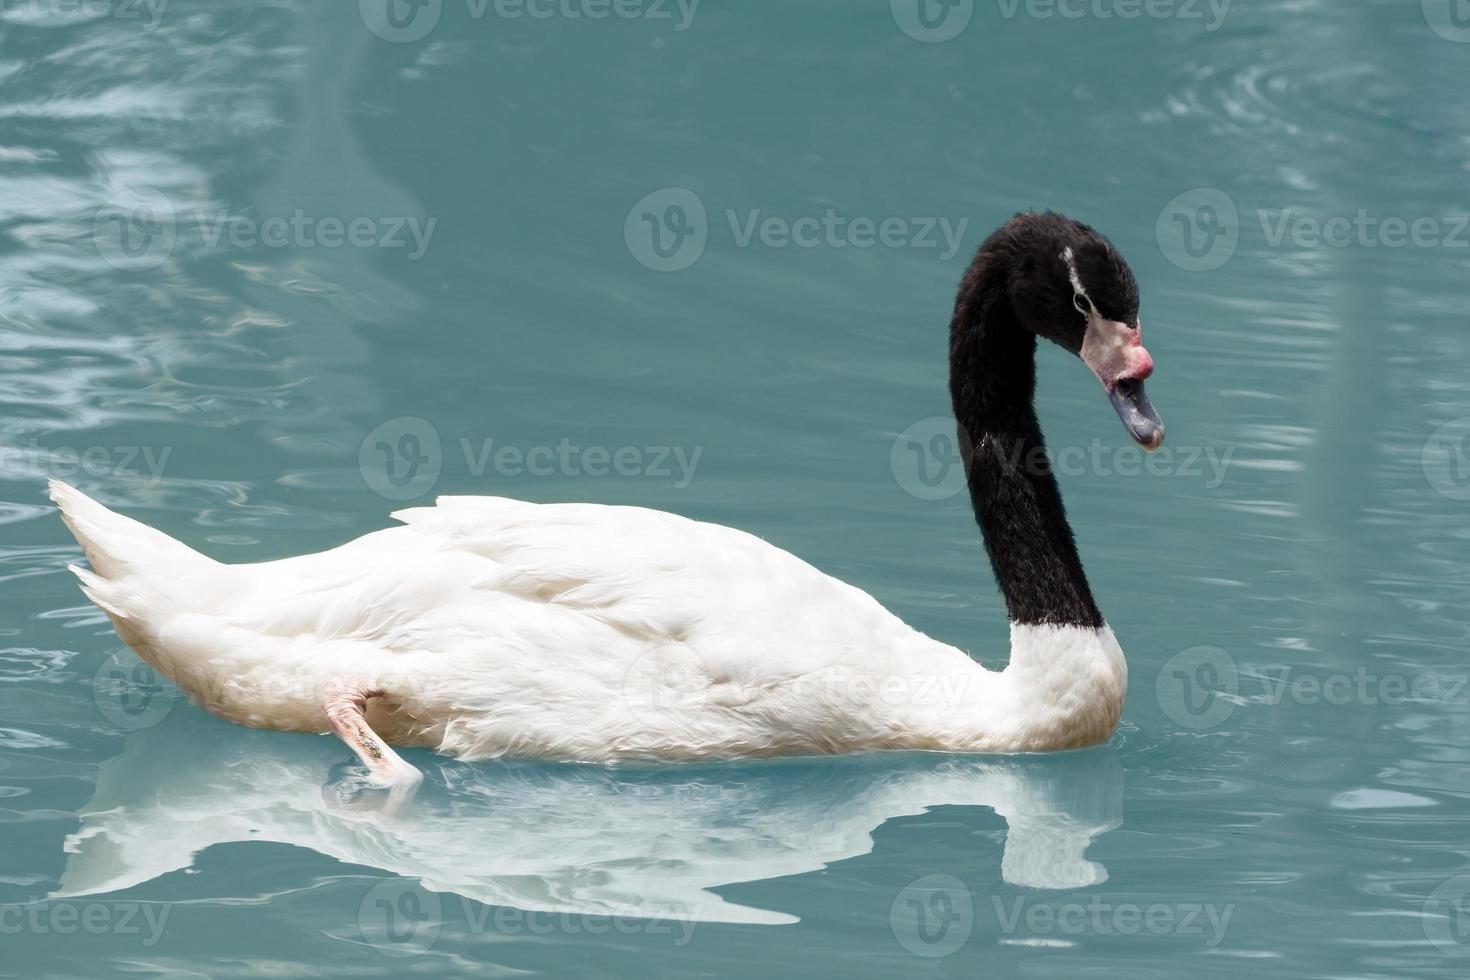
(346, 706)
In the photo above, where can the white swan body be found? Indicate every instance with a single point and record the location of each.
(492, 627)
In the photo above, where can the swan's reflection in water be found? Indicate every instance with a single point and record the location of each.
(574, 839)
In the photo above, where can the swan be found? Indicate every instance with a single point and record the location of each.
(486, 627)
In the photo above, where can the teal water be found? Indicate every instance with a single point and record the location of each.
(269, 270)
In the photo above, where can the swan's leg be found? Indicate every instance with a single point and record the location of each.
(346, 706)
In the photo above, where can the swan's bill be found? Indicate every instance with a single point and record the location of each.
(1115, 353)
(1138, 414)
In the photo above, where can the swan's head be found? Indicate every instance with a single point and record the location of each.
(1075, 289)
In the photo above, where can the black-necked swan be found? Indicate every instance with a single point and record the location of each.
(488, 627)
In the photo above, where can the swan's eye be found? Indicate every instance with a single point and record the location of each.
(1083, 306)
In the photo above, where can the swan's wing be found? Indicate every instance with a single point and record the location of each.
(644, 571)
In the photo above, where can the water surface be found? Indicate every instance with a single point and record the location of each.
(271, 270)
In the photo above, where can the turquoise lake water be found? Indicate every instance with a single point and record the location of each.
(270, 270)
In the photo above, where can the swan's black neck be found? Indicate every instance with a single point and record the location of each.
(1015, 495)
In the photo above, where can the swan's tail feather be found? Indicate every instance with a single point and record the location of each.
(96, 588)
(130, 560)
